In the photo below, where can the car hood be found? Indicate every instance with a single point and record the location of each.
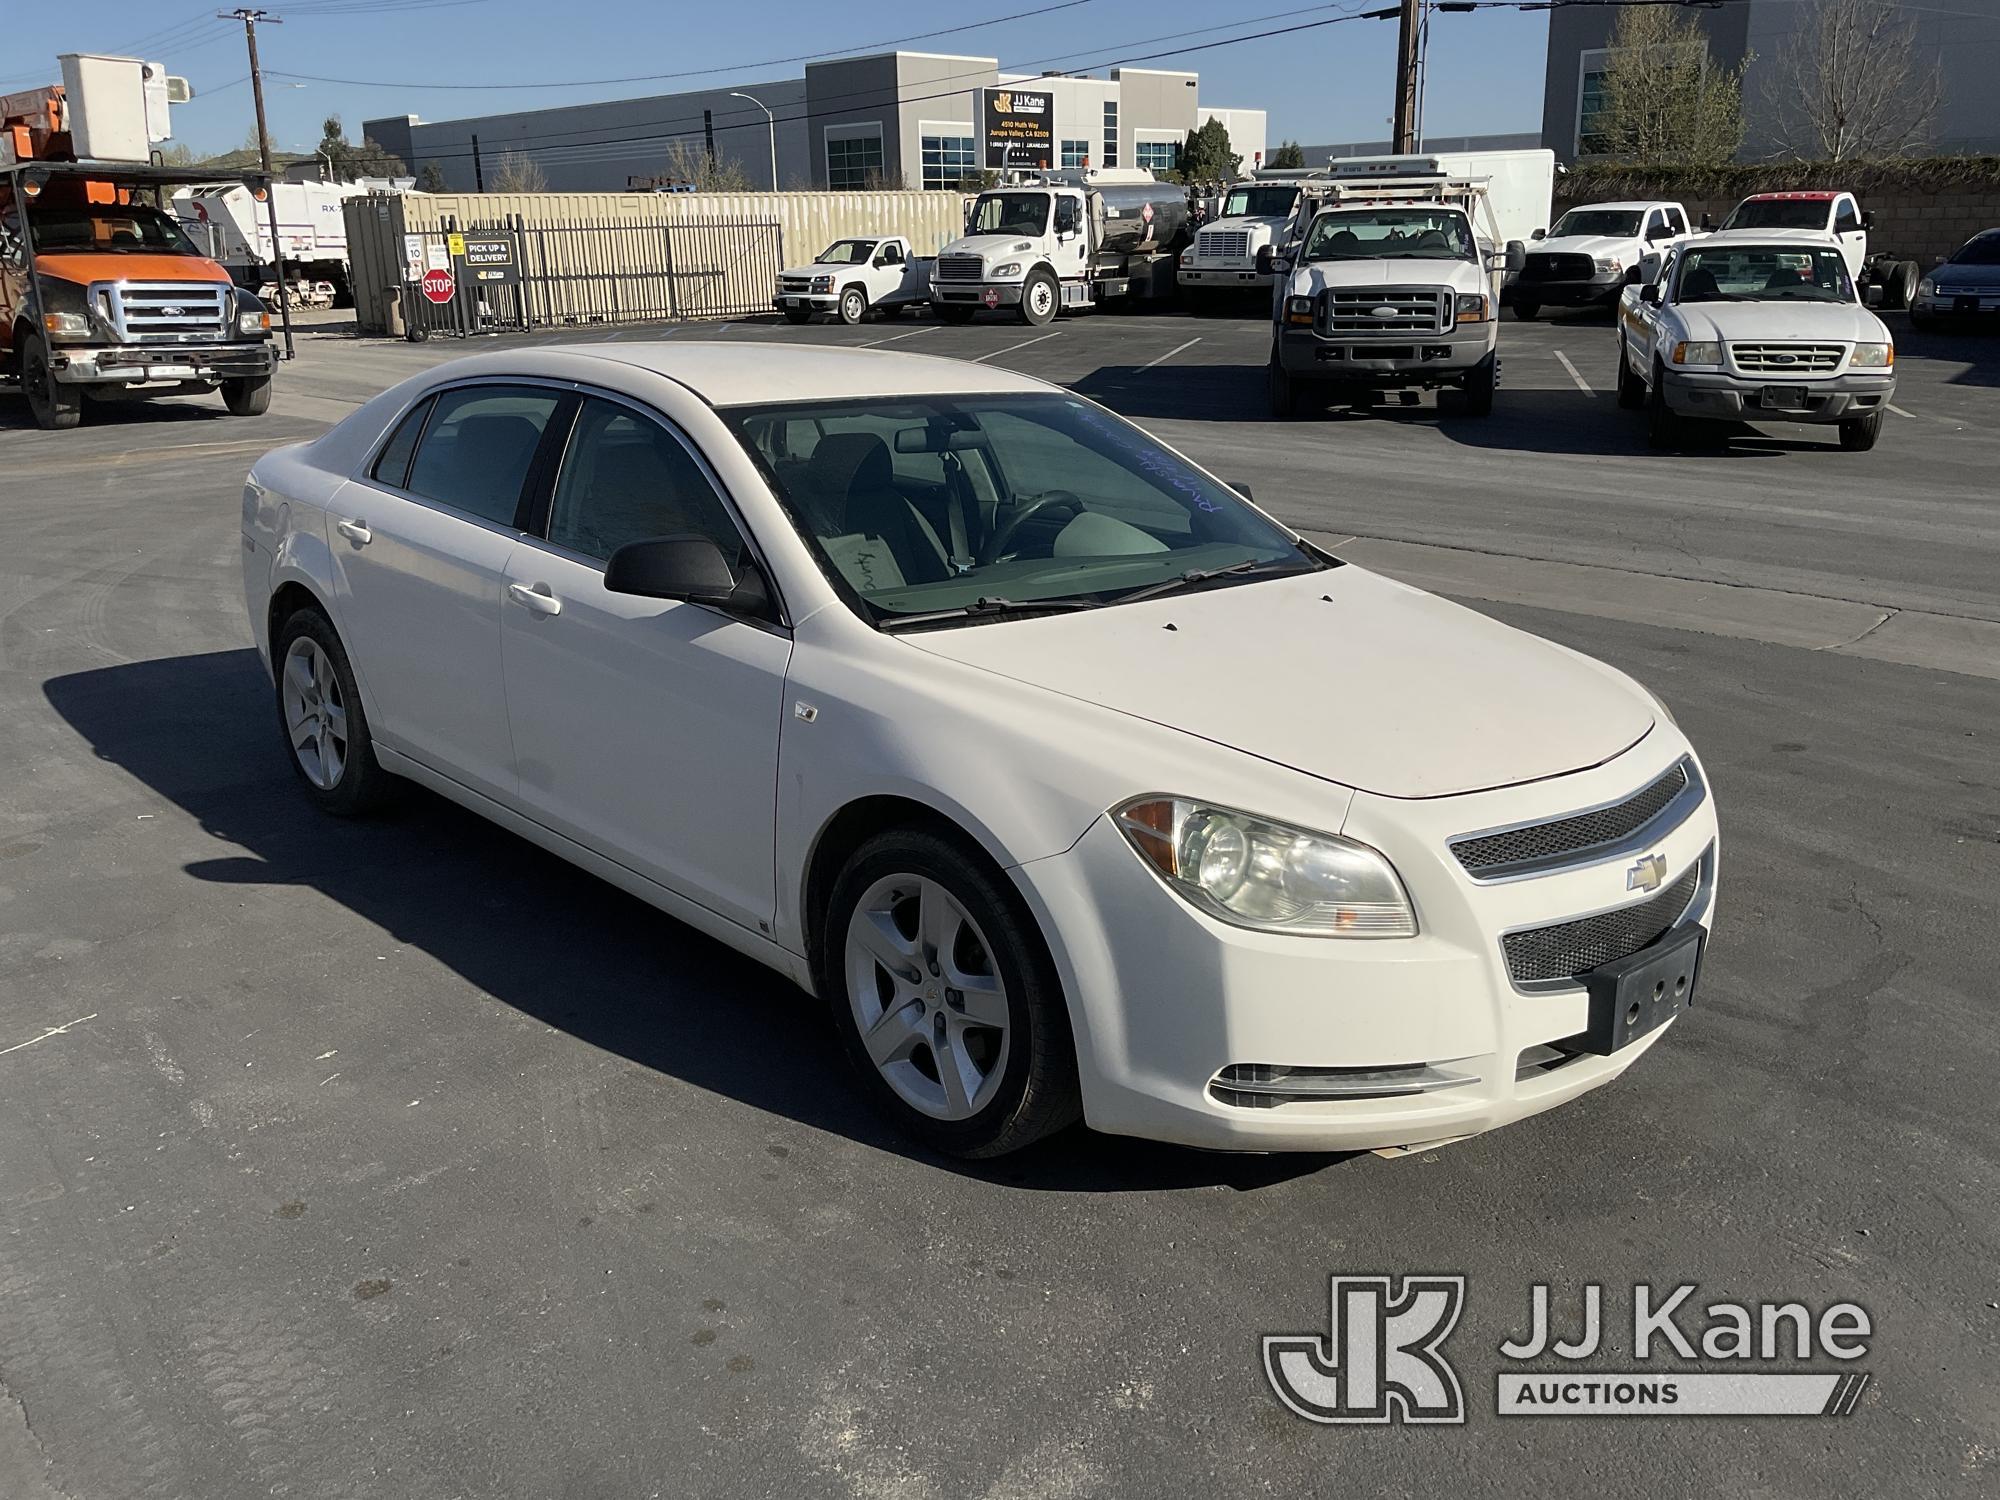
(1247, 222)
(822, 268)
(1844, 321)
(1341, 674)
(987, 246)
(1317, 275)
(1586, 244)
(86, 266)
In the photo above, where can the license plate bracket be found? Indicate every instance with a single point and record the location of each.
(1634, 996)
(1964, 305)
(1783, 398)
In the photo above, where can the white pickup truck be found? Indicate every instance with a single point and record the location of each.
(1753, 325)
(1882, 279)
(1592, 253)
(851, 276)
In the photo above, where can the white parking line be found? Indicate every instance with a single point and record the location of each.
(931, 328)
(1581, 384)
(1898, 410)
(1171, 353)
(996, 353)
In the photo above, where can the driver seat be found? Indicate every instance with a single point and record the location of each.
(1701, 286)
(855, 479)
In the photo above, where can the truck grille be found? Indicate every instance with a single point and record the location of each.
(1581, 837)
(1390, 309)
(959, 268)
(794, 283)
(1221, 244)
(1551, 265)
(1787, 359)
(1565, 950)
(161, 310)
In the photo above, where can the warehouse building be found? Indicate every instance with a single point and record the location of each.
(895, 119)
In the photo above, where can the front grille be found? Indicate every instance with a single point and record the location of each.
(1551, 265)
(1577, 838)
(959, 268)
(142, 311)
(1389, 309)
(1787, 359)
(794, 283)
(1221, 244)
(1568, 949)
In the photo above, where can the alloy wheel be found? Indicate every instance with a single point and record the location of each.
(315, 713)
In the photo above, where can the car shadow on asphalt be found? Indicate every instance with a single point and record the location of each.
(14, 415)
(538, 934)
(1185, 393)
(1977, 349)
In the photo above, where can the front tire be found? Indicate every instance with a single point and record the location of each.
(953, 312)
(1631, 389)
(1858, 434)
(1039, 300)
(1286, 393)
(853, 305)
(1664, 428)
(54, 406)
(1479, 386)
(321, 717)
(1527, 312)
(798, 315)
(945, 996)
(249, 397)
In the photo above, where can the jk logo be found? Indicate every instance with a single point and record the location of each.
(1380, 1362)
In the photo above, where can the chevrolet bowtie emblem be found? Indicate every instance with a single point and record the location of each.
(1647, 874)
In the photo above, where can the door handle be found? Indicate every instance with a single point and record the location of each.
(356, 532)
(536, 597)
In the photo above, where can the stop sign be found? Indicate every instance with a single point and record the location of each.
(438, 285)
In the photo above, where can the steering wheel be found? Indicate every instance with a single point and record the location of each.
(1024, 511)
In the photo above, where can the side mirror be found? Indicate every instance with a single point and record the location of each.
(1281, 264)
(1539, 234)
(1708, 221)
(690, 568)
(1650, 292)
(1241, 489)
(1867, 218)
(1517, 256)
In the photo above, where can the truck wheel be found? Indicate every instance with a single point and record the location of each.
(1664, 428)
(1858, 434)
(1287, 394)
(1631, 389)
(798, 315)
(853, 305)
(1479, 385)
(249, 397)
(953, 312)
(1039, 299)
(1527, 312)
(53, 406)
(1903, 283)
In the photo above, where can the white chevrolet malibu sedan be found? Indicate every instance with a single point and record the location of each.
(1070, 782)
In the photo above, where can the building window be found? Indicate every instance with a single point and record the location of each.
(854, 162)
(1158, 156)
(1110, 133)
(948, 159)
(1075, 153)
(1590, 139)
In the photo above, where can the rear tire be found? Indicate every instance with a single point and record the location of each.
(1040, 300)
(1527, 312)
(975, 1069)
(1631, 389)
(1479, 386)
(853, 305)
(796, 315)
(249, 397)
(54, 406)
(320, 716)
(953, 312)
(1858, 434)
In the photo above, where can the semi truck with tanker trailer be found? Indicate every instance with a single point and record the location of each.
(1074, 239)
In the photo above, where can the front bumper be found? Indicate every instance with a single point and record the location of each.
(125, 364)
(1165, 999)
(1223, 278)
(1386, 359)
(1741, 398)
(977, 294)
(1601, 288)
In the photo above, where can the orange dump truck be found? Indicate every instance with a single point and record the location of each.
(101, 293)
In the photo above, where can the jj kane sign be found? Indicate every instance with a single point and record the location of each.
(1020, 128)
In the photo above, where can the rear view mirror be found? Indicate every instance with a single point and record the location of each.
(690, 568)
(931, 440)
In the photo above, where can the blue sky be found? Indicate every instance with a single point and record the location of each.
(1329, 84)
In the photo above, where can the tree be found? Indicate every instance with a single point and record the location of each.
(178, 155)
(517, 173)
(1288, 154)
(1205, 154)
(689, 164)
(1849, 84)
(431, 179)
(349, 161)
(1663, 100)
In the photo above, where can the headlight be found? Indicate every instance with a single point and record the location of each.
(1610, 264)
(253, 322)
(1472, 307)
(1926, 287)
(1697, 354)
(822, 283)
(66, 325)
(1299, 311)
(1872, 357)
(1255, 873)
(1001, 273)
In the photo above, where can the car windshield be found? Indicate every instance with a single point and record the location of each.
(1778, 213)
(1763, 273)
(1259, 202)
(1618, 223)
(1983, 250)
(1010, 213)
(969, 506)
(847, 253)
(112, 227)
(1390, 234)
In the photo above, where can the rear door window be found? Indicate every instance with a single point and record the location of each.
(479, 447)
(392, 465)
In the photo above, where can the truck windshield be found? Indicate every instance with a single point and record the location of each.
(1618, 223)
(1259, 202)
(1390, 234)
(1011, 213)
(847, 253)
(974, 506)
(113, 227)
(1778, 213)
(1763, 273)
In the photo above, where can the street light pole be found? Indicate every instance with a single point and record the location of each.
(772, 121)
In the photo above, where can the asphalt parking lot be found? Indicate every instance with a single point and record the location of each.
(401, 1159)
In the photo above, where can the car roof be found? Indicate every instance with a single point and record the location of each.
(747, 372)
(1810, 195)
(1770, 237)
(1634, 205)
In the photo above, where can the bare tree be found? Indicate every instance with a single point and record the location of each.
(1663, 98)
(687, 163)
(516, 173)
(1850, 84)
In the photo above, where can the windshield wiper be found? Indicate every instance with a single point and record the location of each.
(1196, 576)
(988, 606)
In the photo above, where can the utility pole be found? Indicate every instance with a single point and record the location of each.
(478, 167)
(1409, 22)
(250, 18)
